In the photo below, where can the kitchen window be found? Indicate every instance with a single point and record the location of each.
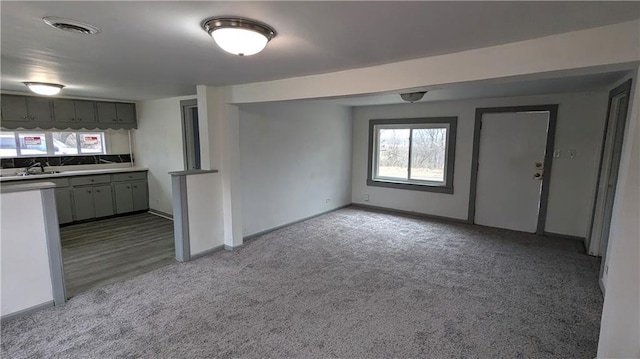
(50, 143)
(415, 154)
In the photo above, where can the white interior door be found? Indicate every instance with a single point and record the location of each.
(510, 161)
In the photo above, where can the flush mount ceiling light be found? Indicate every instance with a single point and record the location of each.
(412, 96)
(43, 88)
(239, 36)
(69, 25)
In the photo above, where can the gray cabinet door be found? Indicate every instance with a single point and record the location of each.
(124, 197)
(14, 108)
(103, 200)
(63, 110)
(85, 111)
(39, 109)
(83, 203)
(63, 205)
(107, 112)
(126, 112)
(140, 195)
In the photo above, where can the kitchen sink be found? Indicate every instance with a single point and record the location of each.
(44, 173)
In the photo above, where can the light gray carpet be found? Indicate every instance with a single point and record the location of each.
(349, 284)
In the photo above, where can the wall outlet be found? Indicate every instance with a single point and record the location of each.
(366, 198)
(327, 200)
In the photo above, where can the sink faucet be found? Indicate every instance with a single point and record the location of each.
(36, 164)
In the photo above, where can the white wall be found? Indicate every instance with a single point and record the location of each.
(204, 201)
(294, 156)
(117, 141)
(158, 146)
(26, 278)
(620, 326)
(580, 124)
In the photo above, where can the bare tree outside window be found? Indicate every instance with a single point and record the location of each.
(416, 154)
(393, 153)
(428, 149)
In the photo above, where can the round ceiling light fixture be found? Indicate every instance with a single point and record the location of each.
(68, 25)
(44, 88)
(413, 96)
(239, 36)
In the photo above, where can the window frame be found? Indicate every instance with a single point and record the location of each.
(50, 146)
(413, 123)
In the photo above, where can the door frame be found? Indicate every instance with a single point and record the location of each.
(548, 157)
(613, 163)
(187, 130)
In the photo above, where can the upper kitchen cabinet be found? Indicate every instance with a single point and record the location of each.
(25, 111)
(30, 112)
(74, 113)
(117, 113)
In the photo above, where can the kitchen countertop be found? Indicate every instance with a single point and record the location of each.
(72, 173)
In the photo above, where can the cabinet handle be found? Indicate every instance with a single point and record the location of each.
(88, 191)
(128, 187)
(119, 120)
(92, 180)
(98, 190)
(33, 117)
(73, 119)
(135, 186)
(24, 117)
(80, 119)
(115, 120)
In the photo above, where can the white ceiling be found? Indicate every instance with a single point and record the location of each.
(153, 50)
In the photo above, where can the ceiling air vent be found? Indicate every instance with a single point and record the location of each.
(69, 25)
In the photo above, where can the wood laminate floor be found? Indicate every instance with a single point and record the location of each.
(111, 250)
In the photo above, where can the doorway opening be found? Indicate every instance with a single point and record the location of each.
(511, 167)
(190, 134)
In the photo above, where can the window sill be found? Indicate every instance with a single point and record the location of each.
(411, 186)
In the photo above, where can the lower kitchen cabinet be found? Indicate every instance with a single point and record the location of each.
(92, 201)
(103, 201)
(63, 205)
(140, 194)
(131, 196)
(85, 197)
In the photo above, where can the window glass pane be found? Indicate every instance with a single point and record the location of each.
(32, 143)
(393, 153)
(91, 142)
(64, 143)
(8, 144)
(428, 150)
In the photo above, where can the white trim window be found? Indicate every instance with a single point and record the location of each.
(34, 143)
(415, 154)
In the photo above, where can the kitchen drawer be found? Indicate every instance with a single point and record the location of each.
(88, 180)
(129, 176)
